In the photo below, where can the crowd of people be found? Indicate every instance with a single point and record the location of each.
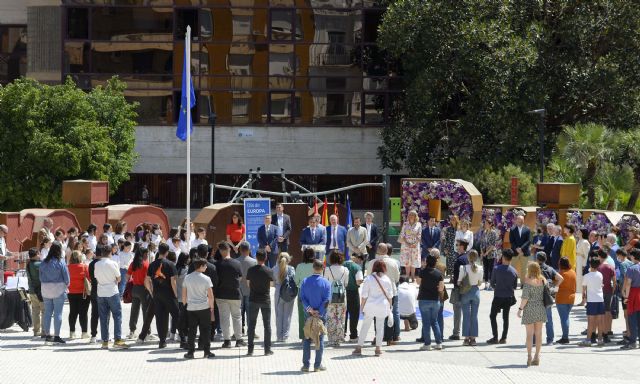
(192, 288)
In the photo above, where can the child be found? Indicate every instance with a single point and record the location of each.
(592, 292)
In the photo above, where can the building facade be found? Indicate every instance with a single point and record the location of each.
(293, 84)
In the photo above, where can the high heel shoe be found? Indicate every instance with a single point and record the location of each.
(528, 361)
(536, 361)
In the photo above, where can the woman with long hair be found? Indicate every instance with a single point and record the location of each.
(284, 309)
(532, 309)
(54, 279)
(409, 240)
(119, 231)
(488, 252)
(303, 270)
(375, 304)
(79, 298)
(464, 232)
(337, 310)
(565, 297)
(470, 300)
(449, 243)
(236, 233)
(140, 297)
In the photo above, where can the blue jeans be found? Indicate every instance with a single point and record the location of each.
(470, 302)
(123, 281)
(634, 325)
(549, 326)
(563, 312)
(106, 305)
(441, 319)
(429, 311)
(393, 333)
(306, 352)
(53, 307)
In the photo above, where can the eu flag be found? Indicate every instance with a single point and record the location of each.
(181, 132)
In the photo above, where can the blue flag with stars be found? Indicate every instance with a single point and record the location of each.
(181, 132)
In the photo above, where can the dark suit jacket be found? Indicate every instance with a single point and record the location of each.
(427, 241)
(307, 239)
(374, 240)
(286, 225)
(548, 246)
(341, 241)
(554, 258)
(523, 242)
(269, 238)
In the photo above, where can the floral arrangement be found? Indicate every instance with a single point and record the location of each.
(598, 222)
(416, 195)
(575, 218)
(546, 216)
(627, 222)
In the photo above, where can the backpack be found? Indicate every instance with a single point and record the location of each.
(288, 289)
(337, 289)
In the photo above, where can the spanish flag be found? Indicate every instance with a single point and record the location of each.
(325, 214)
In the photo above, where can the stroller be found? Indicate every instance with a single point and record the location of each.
(15, 304)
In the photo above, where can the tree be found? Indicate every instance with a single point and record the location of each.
(473, 69)
(586, 148)
(628, 152)
(52, 133)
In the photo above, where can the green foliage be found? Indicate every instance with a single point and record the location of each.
(473, 69)
(53, 133)
(495, 183)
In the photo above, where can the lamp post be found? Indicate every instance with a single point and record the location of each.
(212, 121)
(541, 115)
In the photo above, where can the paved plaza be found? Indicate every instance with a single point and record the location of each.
(26, 361)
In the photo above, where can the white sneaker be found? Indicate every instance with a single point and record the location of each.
(425, 348)
(438, 347)
(132, 335)
(72, 335)
(139, 341)
(92, 340)
(151, 337)
(84, 335)
(172, 337)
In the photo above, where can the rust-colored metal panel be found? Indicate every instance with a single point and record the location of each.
(561, 195)
(85, 193)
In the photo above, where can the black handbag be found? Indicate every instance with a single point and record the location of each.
(547, 299)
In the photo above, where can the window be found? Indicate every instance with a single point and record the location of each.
(239, 65)
(282, 25)
(282, 64)
(131, 24)
(78, 23)
(13, 53)
(281, 105)
(241, 25)
(125, 58)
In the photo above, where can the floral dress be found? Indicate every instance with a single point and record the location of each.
(336, 312)
(448, 248)
(534, 311)
(410, 244)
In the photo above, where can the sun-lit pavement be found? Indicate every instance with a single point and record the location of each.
(26, 361)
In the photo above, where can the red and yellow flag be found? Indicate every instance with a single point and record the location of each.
(325, 214)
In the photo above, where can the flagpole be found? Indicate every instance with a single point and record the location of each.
(187, 41)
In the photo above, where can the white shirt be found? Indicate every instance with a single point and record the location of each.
(593, 282)
(475, 278)
(368, 226)
(377, 303)
(106, 272)
(93, 242)
(467, 235)
(3, 247)
(407, 299)
(196, 242)
(125, 259)
(117, 236)
(337, 272)
(393, 270)
(110, 238)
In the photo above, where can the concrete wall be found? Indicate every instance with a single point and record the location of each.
(13, 12)
(299, 150)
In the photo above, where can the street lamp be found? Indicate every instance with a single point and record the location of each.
(212, 121)
(541, 114)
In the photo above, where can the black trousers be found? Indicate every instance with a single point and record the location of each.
(164, 305)
(140, 299)
(487, 268)
(500, 304)
(253, 309)
(353, 313)
(147, 319)
(199, 319)
(95, 317)
(78, 308)
(183, 321)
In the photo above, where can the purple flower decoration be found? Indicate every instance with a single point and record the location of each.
(416, 195)
(546, 216)
(627, 222)
(598, 222)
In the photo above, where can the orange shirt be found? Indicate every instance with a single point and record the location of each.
(567, 290)
(77, 273)
(235, 233)
(139, 274)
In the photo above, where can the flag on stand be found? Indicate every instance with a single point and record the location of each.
(325, 216)
(349, 222)
(181, 132)
(315, 207)
(335, 207)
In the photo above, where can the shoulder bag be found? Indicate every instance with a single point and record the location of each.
(547, 299)
(390, 316)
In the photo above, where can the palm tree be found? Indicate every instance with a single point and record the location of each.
(628, 152)
(586, 147)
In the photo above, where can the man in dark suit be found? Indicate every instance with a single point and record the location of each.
(282, 221)
(268, 240)
(430, 238)
(336, 236)
(520, 239)
(554, 244)
(372, 235)
(313, 235)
